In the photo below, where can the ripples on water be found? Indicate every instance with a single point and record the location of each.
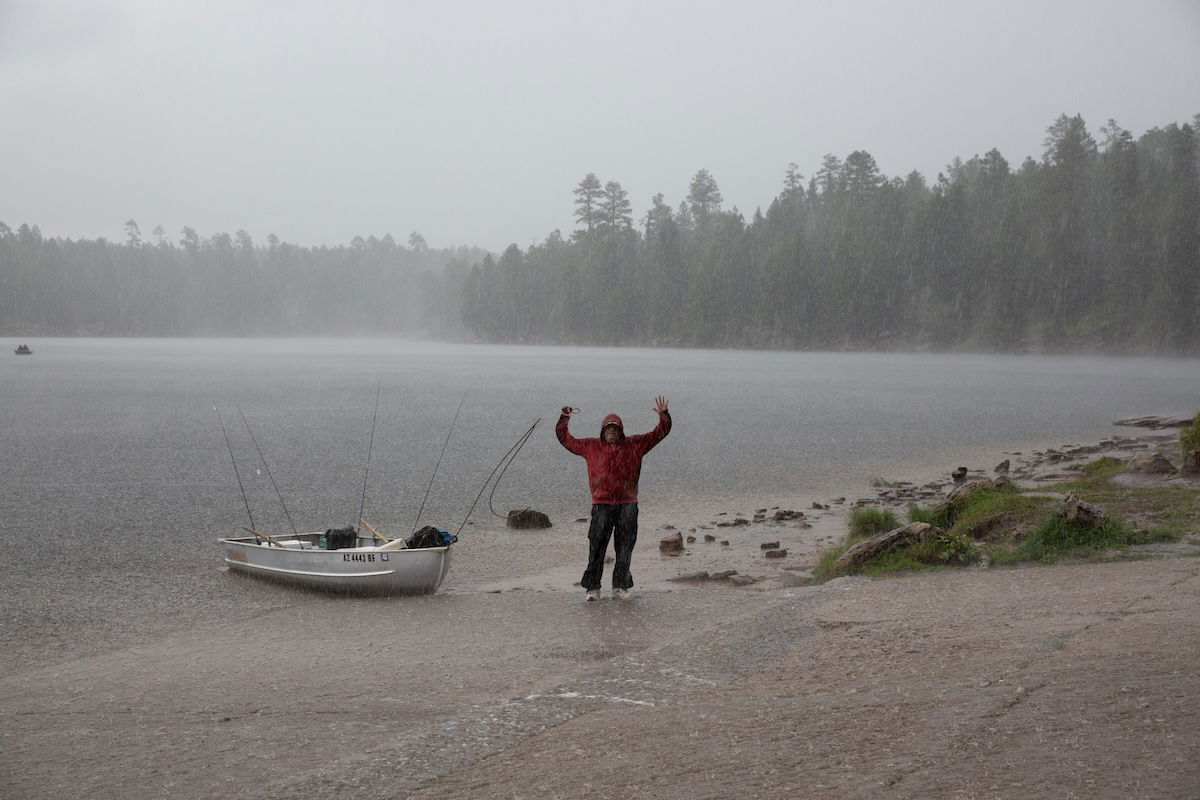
(116, 479)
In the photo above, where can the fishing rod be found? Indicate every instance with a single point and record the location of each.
(234, 462)
(512, 451)
(516, 449)
(420, 510)
(278, 494)
(370, 447)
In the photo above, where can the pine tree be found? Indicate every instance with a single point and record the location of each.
(588, 195)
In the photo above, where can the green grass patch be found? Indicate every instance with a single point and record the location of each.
(1189, 437)
(984, 502)
(865, 522)
(896, 562)
(1167, 513)
(826, 568)
(938, 551)
(1056, 538)
(1093, 476)
(952, 548)
(1022, 526)
(918, 513)
(995, 516)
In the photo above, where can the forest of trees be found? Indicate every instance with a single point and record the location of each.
(1096, 247)
(1093, 248)
(227, 286)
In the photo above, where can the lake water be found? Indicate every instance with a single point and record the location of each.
(115, 478)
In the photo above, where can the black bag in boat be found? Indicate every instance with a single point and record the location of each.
(340, 538)
(430, 536)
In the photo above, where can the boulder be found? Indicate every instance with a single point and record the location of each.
(1150, 464)
(1001, 468)
(1075, 510)
(864, 551)
(776, 553)
(671, 545)
(1191, 462)
(959, 475)
(965, 489)
(527, 519)
(769, 545)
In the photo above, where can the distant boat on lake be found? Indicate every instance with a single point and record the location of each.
(23, 350)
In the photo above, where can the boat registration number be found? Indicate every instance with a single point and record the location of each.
(358, 556)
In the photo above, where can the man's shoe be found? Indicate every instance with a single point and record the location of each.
(593, 595)
(622, 594)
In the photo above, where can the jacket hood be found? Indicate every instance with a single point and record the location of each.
(613, 419)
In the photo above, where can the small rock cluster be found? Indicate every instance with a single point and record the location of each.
(672, 545)
(731, 576)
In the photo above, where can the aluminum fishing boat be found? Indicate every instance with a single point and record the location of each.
(358, 565)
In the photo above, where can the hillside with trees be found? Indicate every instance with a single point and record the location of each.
(1096, 248)
(1093, 248)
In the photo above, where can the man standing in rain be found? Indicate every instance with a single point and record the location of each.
(614, 464)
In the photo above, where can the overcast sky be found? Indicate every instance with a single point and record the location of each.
(472, 121)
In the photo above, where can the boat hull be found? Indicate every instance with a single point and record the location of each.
(356, 570)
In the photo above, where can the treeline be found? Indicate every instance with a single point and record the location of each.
(1096, 247)
(226, 285)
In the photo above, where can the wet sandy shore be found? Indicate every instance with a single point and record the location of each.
(1063, 681)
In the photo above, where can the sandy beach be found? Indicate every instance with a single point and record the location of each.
(1073, 680)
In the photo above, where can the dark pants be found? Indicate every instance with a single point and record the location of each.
(607, 520)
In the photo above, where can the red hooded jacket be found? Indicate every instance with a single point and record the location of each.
(614, 469)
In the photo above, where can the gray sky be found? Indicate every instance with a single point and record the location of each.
(472, 121)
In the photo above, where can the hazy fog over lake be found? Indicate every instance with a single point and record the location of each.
(471, 122)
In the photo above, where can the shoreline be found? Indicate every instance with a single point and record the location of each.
(809, 530)
(493, 559)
